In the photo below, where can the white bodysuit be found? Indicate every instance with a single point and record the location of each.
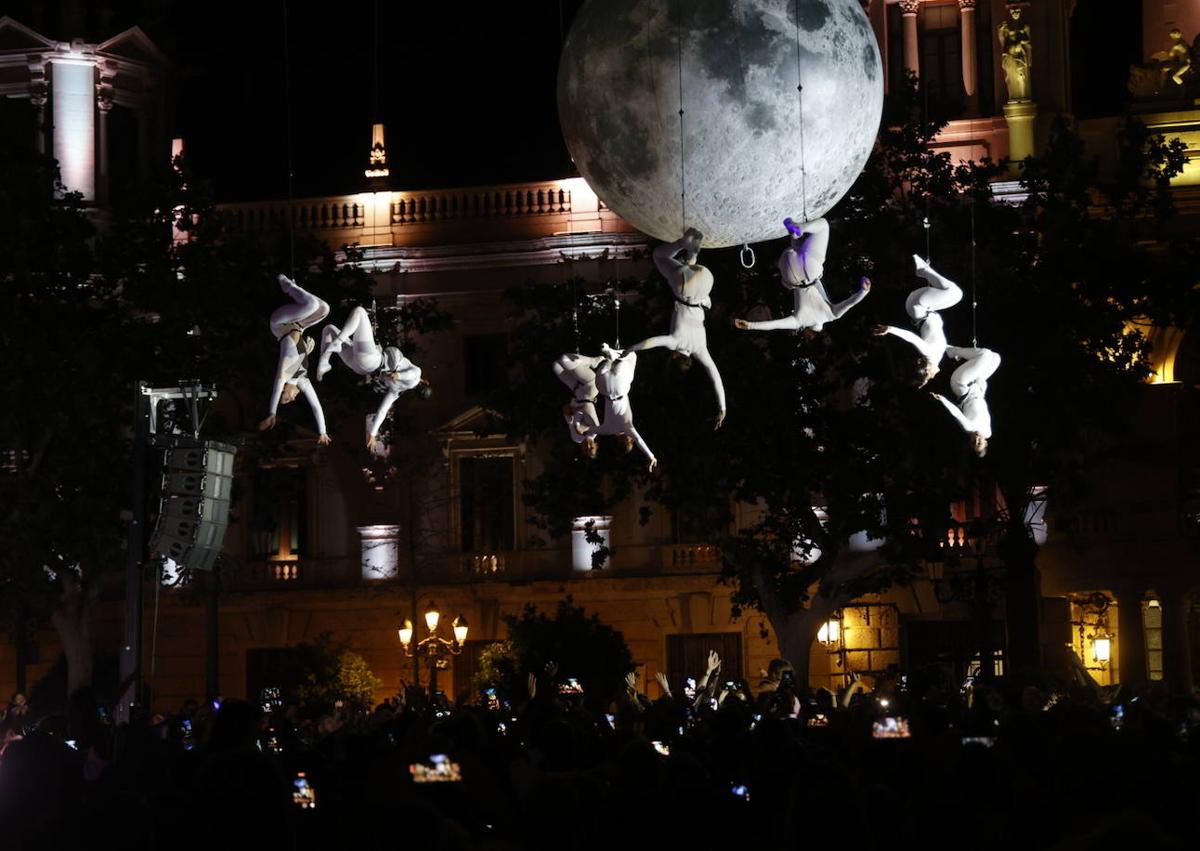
(922, 306)
(614, 379)
(307, 310)
(354, 343)
(969, 385)
(691, 285)
(800, 268)
(578, 372)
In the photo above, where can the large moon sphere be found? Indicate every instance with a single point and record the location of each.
(748, 160)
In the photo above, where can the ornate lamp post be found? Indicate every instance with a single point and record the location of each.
(433, 647)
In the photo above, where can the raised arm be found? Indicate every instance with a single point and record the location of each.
(310, 393)
(968, 424)
(909, 337)
(641, 445)
(666, 258)
(385, 405)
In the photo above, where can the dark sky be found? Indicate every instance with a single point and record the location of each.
(467, 90)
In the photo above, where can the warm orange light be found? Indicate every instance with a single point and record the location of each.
(1102, 648)
(431, 619)
(406, 632)
(830, 633)
(460, 629)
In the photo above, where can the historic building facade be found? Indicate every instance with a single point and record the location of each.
(339, 554)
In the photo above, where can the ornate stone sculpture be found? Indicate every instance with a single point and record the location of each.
(1017, 54)
(1170, 73)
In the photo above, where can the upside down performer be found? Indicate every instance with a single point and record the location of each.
(614, 379)
(288, 324)
(355, 344)
(801, 266)
(922, 306)
(968, 383)
(691, 284)
(578, 372)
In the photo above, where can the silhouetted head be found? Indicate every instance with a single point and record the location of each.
(682, 361)
(627, 443)
(979, 444)
(423, 389)
(289, 394)
(589, 447)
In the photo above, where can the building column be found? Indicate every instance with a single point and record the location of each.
(1177, 656)
(104, 104)
(39, 96)
(73, 112)
(912, 52)
(966, 20)
(1131, 637)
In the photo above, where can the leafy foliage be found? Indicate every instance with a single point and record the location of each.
(581, 646)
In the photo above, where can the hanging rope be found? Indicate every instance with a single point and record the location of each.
(974, 295)
(928, 240)
(287, 109)
(800, 110)
(679, 63)
(617, 314)
(575, 316)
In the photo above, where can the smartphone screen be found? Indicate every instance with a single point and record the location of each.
(439, 768)
(741, 791)
(663, 749)
(891, 727)
(303, 794)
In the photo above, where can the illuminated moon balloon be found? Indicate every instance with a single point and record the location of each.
(742, 169)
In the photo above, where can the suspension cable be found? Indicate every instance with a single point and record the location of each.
(800, 110)
(679, 64)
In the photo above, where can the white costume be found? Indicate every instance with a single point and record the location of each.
(578, 372)
(800, 268)
(614, 379)
(288, 324)
(397, 375)
(354, 343)
(691, 284)
(922, 307)
(969, 385)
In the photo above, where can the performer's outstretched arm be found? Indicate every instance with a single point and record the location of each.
(790, 322)
(966, 422)
(310, 393)
(642, 447)
(385, 405)
(841, 307)
(909, 337)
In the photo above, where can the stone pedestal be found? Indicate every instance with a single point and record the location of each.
(380, 552)
(1020, 116)
(582, 549)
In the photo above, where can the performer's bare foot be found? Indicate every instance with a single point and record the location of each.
(324, 440)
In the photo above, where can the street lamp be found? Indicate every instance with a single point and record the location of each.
(1102, 648)
(433, 647)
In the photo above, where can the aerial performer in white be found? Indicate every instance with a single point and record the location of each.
(968, 383)
(578, 372)
(801, 266)
(355, 344)
(614, 378)
(922, 306)
(288, 324)
(691, 284)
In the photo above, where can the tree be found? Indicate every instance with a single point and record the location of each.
(827, 438)
(580, 646)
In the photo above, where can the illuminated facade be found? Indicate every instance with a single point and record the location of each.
(336, 554)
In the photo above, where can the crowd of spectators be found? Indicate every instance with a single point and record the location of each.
(917, 762)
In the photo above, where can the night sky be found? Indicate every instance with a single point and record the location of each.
(467, 90)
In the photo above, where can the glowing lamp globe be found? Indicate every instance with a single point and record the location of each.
(619, 83)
